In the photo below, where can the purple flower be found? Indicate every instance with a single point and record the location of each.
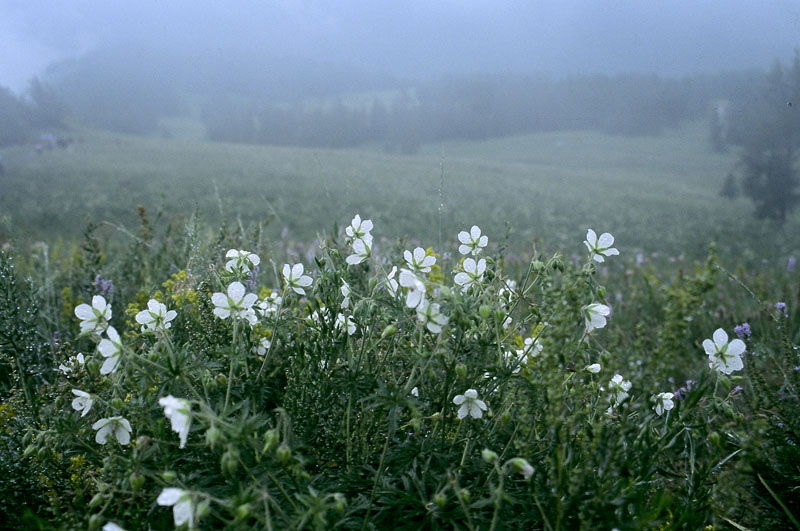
(105, 287)
(681, 393)
(790, 264)
(743, 330)
(251, 282)
(781, 307)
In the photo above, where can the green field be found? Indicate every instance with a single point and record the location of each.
(655, 194)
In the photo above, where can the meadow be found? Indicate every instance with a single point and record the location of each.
(175, 366)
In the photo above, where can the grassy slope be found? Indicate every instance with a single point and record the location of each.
(654, 194)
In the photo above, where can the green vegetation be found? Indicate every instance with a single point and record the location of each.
(354, 408)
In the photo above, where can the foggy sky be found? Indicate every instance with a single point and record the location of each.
(417, 39)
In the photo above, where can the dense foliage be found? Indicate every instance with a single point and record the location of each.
(181, 380)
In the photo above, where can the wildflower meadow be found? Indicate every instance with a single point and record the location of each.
(208, 380)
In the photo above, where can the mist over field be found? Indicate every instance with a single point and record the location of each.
(418, 264)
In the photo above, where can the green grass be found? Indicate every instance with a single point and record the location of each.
(655, 194)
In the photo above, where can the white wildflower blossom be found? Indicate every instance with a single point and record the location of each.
(178, 411)
(241, 261)
(595, 316)
(470, 404)
(83, 401)
(430, 316)
(414, 286)
(72, 363)
(111, 526)
(94, 318)
(472, 241)
(663, 403)
(111, 349)
(181, 502)
(235, 304)
(119, 427)
(600, 248)
(360, 230)
(594, 368)
(345, 322)
(618, 387)
(523, 467)
(295, 279)
(361, 251)
(262, 346)
(155, 317)
(419, 261)
(345, 291)
(723, 356)
(472, 273)
(390, 282)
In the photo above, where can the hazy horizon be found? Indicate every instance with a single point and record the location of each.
(417, 39)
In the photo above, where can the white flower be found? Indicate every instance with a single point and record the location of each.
(111, 526)
(470, 404)
(295, 279)
(594, 368)
(419, 261)
(178, 411)
(118, 426)
(472, 241)
(181, 502)
(472, 274)
(429, 316)
(235, 304)
(415, 287)
(83, 402)
(155, 317)
(415, 391)
(390, 283)
(532, 347)
(359, 230)
(523, 467)
(262, 346)
(663, 403)
(343, 322)
(595, 315)
(111, 349)
(241, 261)
(345, 291)
(600, 248)
(723, 356)
(361, 252)
(72, 362)
(619, 389)
(269, 305)
(94, 318)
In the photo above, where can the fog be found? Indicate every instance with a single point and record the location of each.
(415, 39)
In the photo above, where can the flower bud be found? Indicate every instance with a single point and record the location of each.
(461, 370)
(390, 330)
(96, 500)
(29, 451)
(373, 283)
(500, 315)
(117, 403)
(26, 439)
(59, 402)
(505, 418)
(445, 292)
(440, 500)
(601, 292)
(94, 521)
(214, 436)
(436, 416)
(538, 266)
(270, 440)
(463, 495)
(42, 453)
(486, 311)
(522, 466)
(230, 461)
(339, 501)
(202, 509)
(489, 456)
(221, 380)
(137, 480)
(92, 367)
(243, 511)
(284, 453)
(713, 438)
(168, 476)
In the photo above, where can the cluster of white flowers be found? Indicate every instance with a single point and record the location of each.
(358, 234)
(269, 305)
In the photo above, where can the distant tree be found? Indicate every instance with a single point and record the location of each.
(769, 157)
(730, 190)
